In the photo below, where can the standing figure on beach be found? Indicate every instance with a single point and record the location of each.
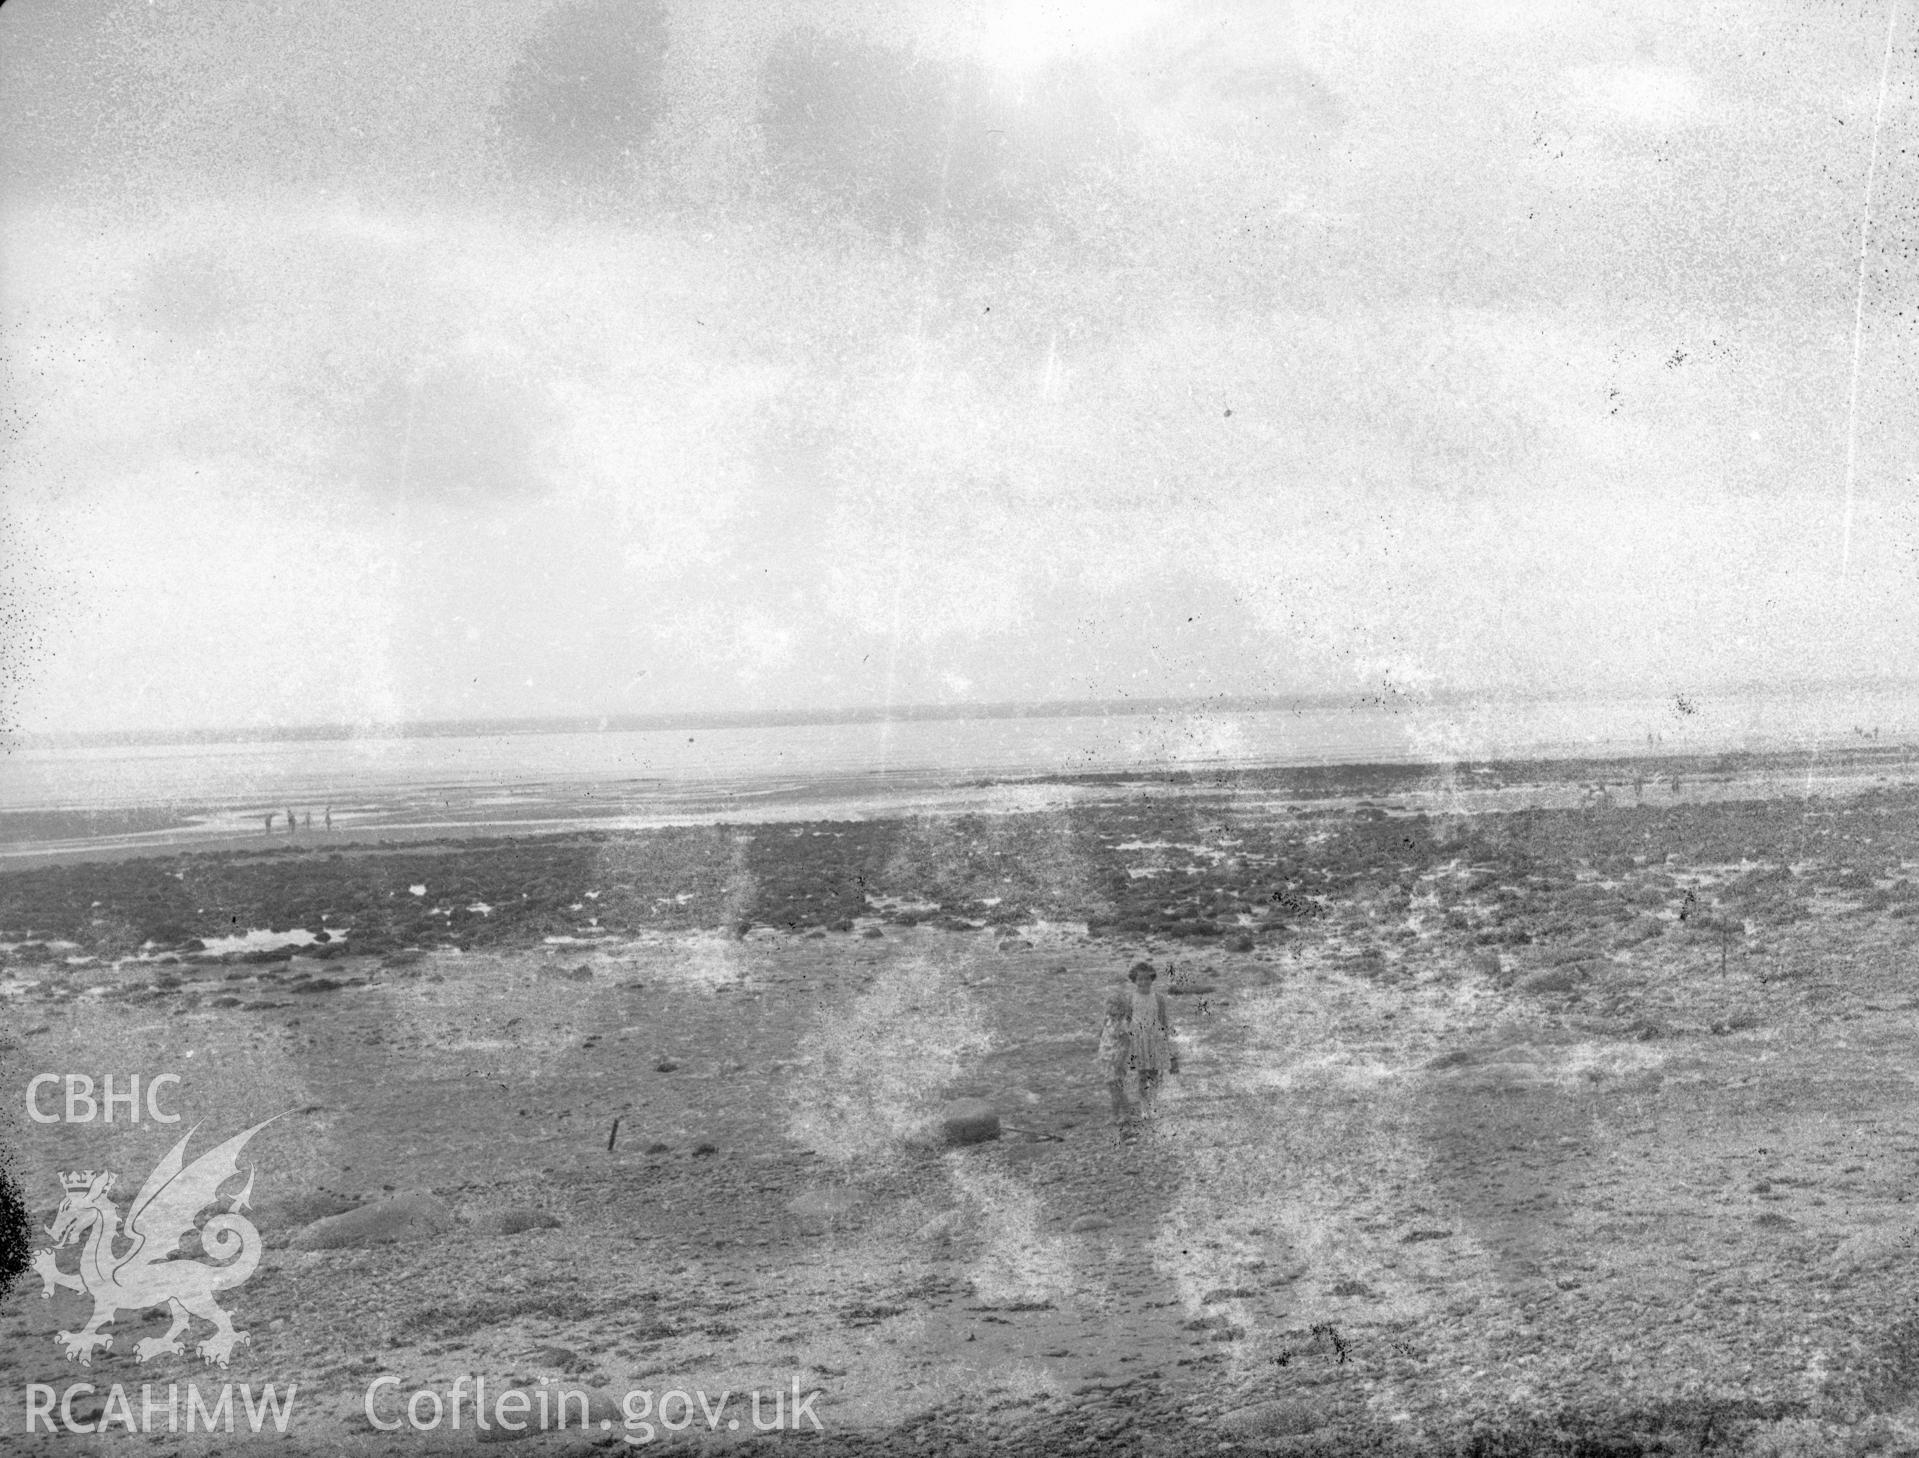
(269, 821)
(307, 824)
(1136, 1045)
(329, 817)
(293, 821)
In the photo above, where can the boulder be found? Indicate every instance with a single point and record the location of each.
(1502, 1077)
(290, 1212)
(1874, 1250)
(413, 1215)
(512, 1220)
(968, 1121)
(1280, 1418)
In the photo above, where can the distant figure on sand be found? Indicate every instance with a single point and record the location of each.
(1136, 1045)
(329, 817)
(307, 824)
(269, 819)
(293, 821)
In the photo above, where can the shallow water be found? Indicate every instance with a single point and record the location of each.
(67, 797)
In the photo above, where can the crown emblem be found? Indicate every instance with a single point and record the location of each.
(77, 1180)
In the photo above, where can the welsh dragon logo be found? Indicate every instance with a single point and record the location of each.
(149, 1271)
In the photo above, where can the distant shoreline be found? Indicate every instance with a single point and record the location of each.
(642, 723)
(1387, 698)
(30, 837)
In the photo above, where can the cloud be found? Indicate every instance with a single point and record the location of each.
(1211, 356)
(178, 600)
(151, 102)
(1022, 36)
(1241, 85)
(1655, 98)
(450, 431)
(584, 94)
(910, 143)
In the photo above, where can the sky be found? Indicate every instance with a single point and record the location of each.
(495, 358)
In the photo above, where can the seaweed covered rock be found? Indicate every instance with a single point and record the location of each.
(414, 1215)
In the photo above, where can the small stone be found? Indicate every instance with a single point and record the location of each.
(1553, 979)
(969, 1121)
(823, 1204)
(941, 1228)
(1642, 928)
(665, 1065)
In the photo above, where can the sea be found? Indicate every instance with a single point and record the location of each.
(79, 797)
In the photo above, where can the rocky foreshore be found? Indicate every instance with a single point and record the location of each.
(1570, 1131)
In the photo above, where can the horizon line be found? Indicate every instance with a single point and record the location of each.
(1386, 695)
